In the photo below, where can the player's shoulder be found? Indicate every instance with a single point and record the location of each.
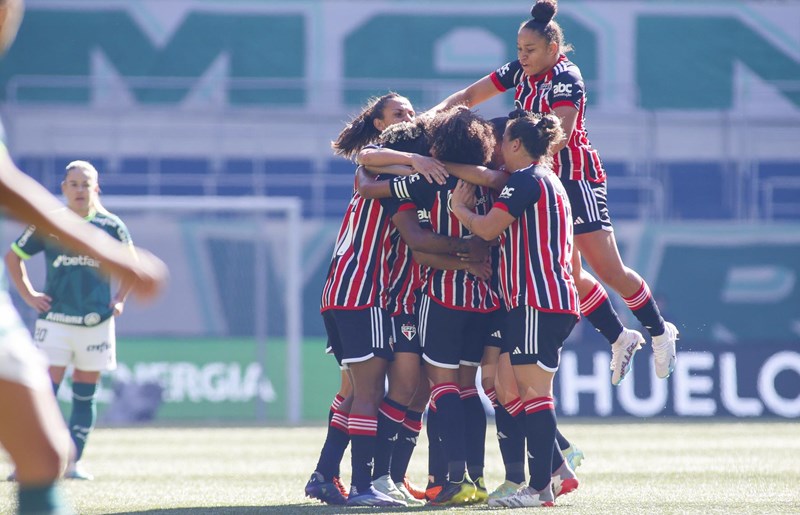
(566, 69)
(107, 219)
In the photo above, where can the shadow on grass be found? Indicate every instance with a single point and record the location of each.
(288, 509)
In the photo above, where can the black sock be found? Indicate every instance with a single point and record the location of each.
(540, 431)
(437, 462)
(563, 443)
(363, 430)
(390, 417)
(405, 444)
(451, 428)
(511, 438)
(646, 311)
(335, 444)
(475, 431)
(598, 309)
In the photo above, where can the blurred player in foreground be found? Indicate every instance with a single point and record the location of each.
(31, 427)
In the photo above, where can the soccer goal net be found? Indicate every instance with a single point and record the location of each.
(224, 340)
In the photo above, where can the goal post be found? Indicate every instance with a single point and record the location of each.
(235, 271)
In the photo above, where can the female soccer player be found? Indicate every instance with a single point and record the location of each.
(533, 216)
(545, 81)
(76, 309)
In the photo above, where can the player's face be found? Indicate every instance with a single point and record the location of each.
(534, 53)
(80, 190)
(510, 150)
(396, 110)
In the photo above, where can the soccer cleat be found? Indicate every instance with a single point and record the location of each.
(455, 494)
(408, 497)
(664, 350)
(622, 351)
(525, 497)
(564, 480)
(326, 491)
(338, 482)
(481, 494)
(574, 456)
(385, 485)
(372, 497)
(432, 490)
(76, 471)
(414, 490)
(507, 488)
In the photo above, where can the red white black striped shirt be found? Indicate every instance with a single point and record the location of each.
(561, 85)
(536, 249)
(455, 289)
(359, 273)
(405, 277)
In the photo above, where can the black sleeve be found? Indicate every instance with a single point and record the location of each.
(507, 76)
(567, 89)
(521, 191)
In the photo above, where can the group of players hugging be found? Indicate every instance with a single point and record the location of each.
(461, 249)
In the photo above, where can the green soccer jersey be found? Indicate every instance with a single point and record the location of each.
(81, 295)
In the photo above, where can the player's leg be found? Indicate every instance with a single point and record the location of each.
(510, 420)
(94, 351)
(324, 483)
(404, 375)
(442, 339)
(599, 248)
(32, 428)
(407, 441)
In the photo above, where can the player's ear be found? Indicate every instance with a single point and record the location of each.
(378, 124)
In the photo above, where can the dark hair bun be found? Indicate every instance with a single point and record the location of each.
(549, 122)
(517, 113)
(543, 11)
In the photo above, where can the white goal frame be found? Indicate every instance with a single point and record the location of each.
(291, 208)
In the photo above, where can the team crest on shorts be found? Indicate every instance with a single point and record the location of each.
(409, 331)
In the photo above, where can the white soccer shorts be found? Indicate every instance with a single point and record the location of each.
(20, 361)
(92, 349)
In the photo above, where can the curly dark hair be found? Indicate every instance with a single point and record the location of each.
(460, 136)
(361, 130)
(407, 137)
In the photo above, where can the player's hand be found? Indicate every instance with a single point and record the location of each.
(463, 195)
(477, 250)
(432, 169)
(482, 270)
(38, 301)
(119, 307)
(146, 274)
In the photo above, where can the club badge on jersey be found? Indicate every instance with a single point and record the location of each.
(409, 331)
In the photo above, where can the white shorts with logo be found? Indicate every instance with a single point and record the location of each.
(93, 349)
(20, 361)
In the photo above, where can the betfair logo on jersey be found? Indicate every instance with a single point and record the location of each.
(64, 260)
(506, 193)
(563, 90)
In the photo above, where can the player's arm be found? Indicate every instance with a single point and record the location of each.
(478, 175)
(368, 185)
(423, 240)
(19, 277)
(477, 92)
(389, 170)
(430, 168)
(569, 120)
(28, 201)
(488, 226)
(481, 269)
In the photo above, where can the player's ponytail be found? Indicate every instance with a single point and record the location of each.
(542, 22)
(361, 130)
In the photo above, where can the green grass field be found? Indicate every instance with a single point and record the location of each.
(688, 467)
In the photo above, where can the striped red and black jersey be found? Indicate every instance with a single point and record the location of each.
(455, 289)
(561, 85)
(536, 249)
(405, 278)
(359, 272)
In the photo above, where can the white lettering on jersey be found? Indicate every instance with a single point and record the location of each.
(64, 260)
(506, 193)
(562, 89)
(423, 215)
(503, 70)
